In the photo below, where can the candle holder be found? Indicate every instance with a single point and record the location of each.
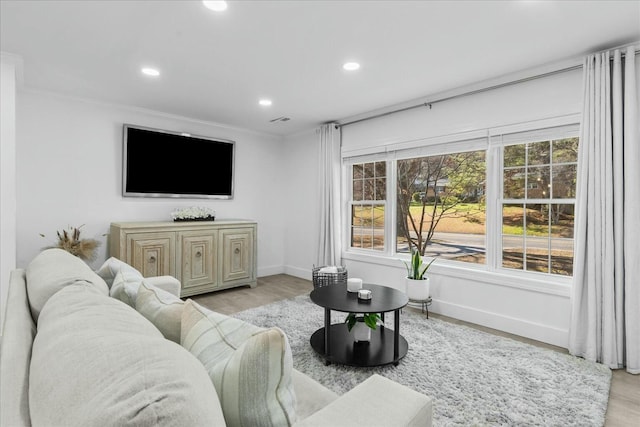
(364, 294)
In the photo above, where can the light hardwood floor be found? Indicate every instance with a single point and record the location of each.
(624, 397)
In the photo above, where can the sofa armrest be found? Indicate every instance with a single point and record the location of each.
(311, 396)
(166, 283)
(377, 401)
(18, 333)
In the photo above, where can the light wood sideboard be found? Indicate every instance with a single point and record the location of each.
(204, 256)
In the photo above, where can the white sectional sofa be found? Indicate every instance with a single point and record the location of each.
(79, 350)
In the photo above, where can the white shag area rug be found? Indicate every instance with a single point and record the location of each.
(474, 378)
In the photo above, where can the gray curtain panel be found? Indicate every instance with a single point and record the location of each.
(605, 319)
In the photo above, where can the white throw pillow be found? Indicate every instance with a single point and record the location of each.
(250, 367)
(125, 286)
(162, 308)
(110, 269)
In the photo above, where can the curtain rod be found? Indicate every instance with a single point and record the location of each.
(460, 95)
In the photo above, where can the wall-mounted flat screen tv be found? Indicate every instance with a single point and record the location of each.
(160, 163)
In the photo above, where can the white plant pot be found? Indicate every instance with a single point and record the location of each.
(361, 332)
(417, 290)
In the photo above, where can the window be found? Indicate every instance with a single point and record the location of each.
(441, 206)
(538, 202)
(500, 202)
(368, 189)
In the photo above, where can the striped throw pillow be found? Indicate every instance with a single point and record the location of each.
(212, 337)
(251, 368)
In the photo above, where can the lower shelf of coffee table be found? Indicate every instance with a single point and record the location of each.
(343, 349)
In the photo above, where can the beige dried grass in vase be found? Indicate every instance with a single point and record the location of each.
(71, 242)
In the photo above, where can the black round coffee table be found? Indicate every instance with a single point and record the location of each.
(336, 344)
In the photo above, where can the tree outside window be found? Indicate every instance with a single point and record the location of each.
(441, 206)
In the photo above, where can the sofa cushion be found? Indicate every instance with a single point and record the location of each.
(53, 269)
(377, 401)
(125, 286)
(110, 269)
(161, 308)
(250, 367)
(311, 396)
(97, 362)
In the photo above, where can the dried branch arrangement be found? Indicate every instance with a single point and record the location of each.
(71, 242)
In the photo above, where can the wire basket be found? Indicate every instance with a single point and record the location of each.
(326, 279)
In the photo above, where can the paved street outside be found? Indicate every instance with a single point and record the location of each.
(451, 245)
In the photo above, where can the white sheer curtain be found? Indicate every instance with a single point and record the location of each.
(605, 319)
(329, 243)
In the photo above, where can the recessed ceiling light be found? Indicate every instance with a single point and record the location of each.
(216, 6)
(351, 66)
(265, 102)
(150, 71)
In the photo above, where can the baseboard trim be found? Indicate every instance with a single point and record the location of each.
(512, 325)
(270, 270)
(301, 273)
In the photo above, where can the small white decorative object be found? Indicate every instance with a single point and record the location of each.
(364, 294)
(194, 213)
(354, 285)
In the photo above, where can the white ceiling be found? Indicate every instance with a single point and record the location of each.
(215, 67)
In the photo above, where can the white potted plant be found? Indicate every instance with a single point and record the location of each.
(362, 324)
(417, 283)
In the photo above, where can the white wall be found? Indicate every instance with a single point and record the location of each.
(69, 155)
(301, 167)
(7, 176)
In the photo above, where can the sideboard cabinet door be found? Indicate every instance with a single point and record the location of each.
(199, 264)
(237, 254)
(152, 253)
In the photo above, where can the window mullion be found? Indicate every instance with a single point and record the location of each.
(347, 205)
(549, 238)
(493, 232)
(391, 211)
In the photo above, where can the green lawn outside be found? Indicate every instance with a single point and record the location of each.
(471, 217)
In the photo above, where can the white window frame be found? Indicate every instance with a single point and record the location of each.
(506, 139)
(493, 139)
(430, 147)
(351, 203)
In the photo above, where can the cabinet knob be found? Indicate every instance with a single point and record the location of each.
(198, 254)
(237, 251)
(152, 259)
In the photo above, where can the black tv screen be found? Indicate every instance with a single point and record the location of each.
(158, 163)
